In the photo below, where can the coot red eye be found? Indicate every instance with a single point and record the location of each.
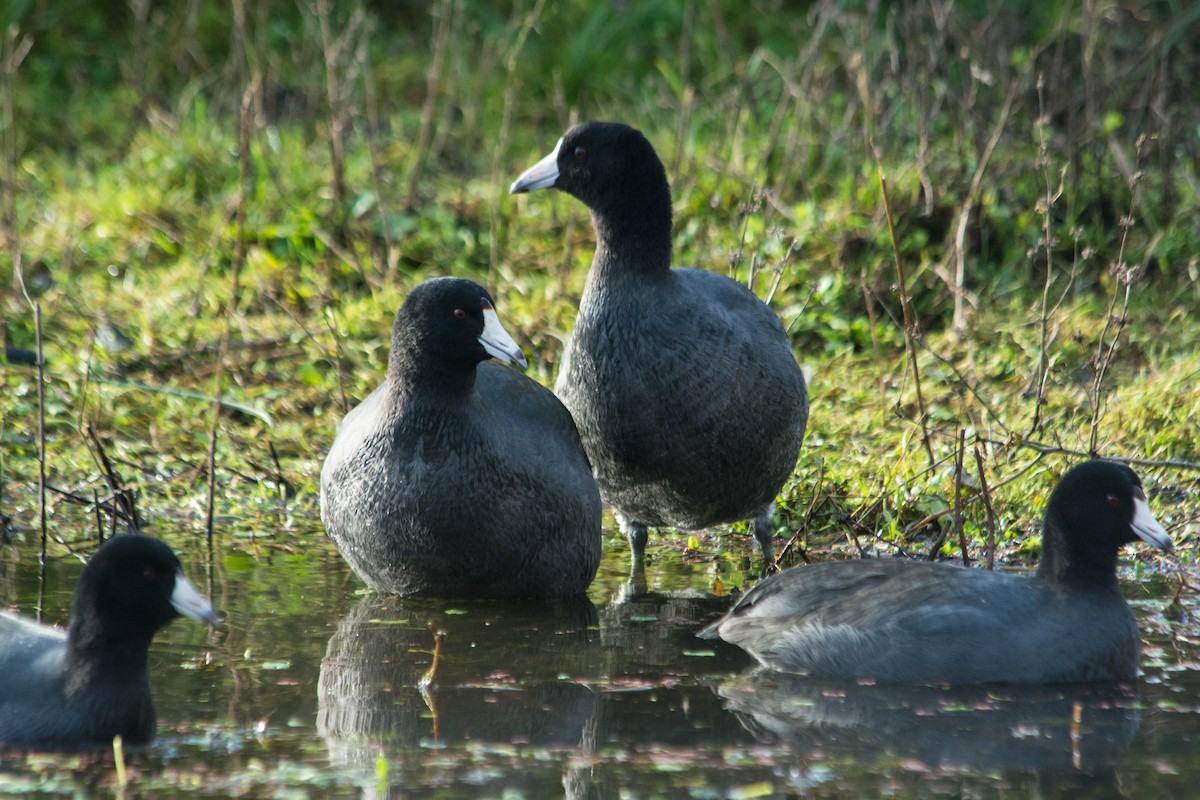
(460, 314)
(580, 153)
(1113, 500)
(150, 574)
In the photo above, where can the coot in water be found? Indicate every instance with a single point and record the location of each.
(82, 687)
(683, 383)
(459, 477)
(921, 622)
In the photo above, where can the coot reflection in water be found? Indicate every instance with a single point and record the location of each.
(504, 674)
(580, 700)
(1080, 730)
(558, 686)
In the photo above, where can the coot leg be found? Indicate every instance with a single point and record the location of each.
(764, 532)
(637, 533)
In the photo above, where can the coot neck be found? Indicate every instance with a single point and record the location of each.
(95, 653)
(1067, 562)
(633, 238)
(414, 375)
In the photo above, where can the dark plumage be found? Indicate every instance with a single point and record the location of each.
(457, 478)
(683, 383)
(921, 622)
(81, 688)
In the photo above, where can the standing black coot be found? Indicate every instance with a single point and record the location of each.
(83, 687)
(920, 622)
(683, 383)
(457, 478)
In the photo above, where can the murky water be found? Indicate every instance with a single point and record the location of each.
(311, 688)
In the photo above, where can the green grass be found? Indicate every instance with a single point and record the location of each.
(774, 127)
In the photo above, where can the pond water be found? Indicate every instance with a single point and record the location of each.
(311, 688)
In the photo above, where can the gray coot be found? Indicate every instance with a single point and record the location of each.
(683, 383)
(459, 477)
(920, 622)
(81, 688)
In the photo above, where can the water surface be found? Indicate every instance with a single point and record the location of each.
(312, 687)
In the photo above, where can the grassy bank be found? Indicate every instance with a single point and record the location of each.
(204, 205)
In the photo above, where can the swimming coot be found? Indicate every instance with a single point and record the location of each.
(82, 687)
(921, 622)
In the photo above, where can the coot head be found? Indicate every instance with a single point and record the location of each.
(1097, 508)
(449, 323)
(606, 165)
(137, 583)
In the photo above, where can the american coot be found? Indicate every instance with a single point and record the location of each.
(921, 622)
(683, 383)
(457, 478)
(83, 687)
